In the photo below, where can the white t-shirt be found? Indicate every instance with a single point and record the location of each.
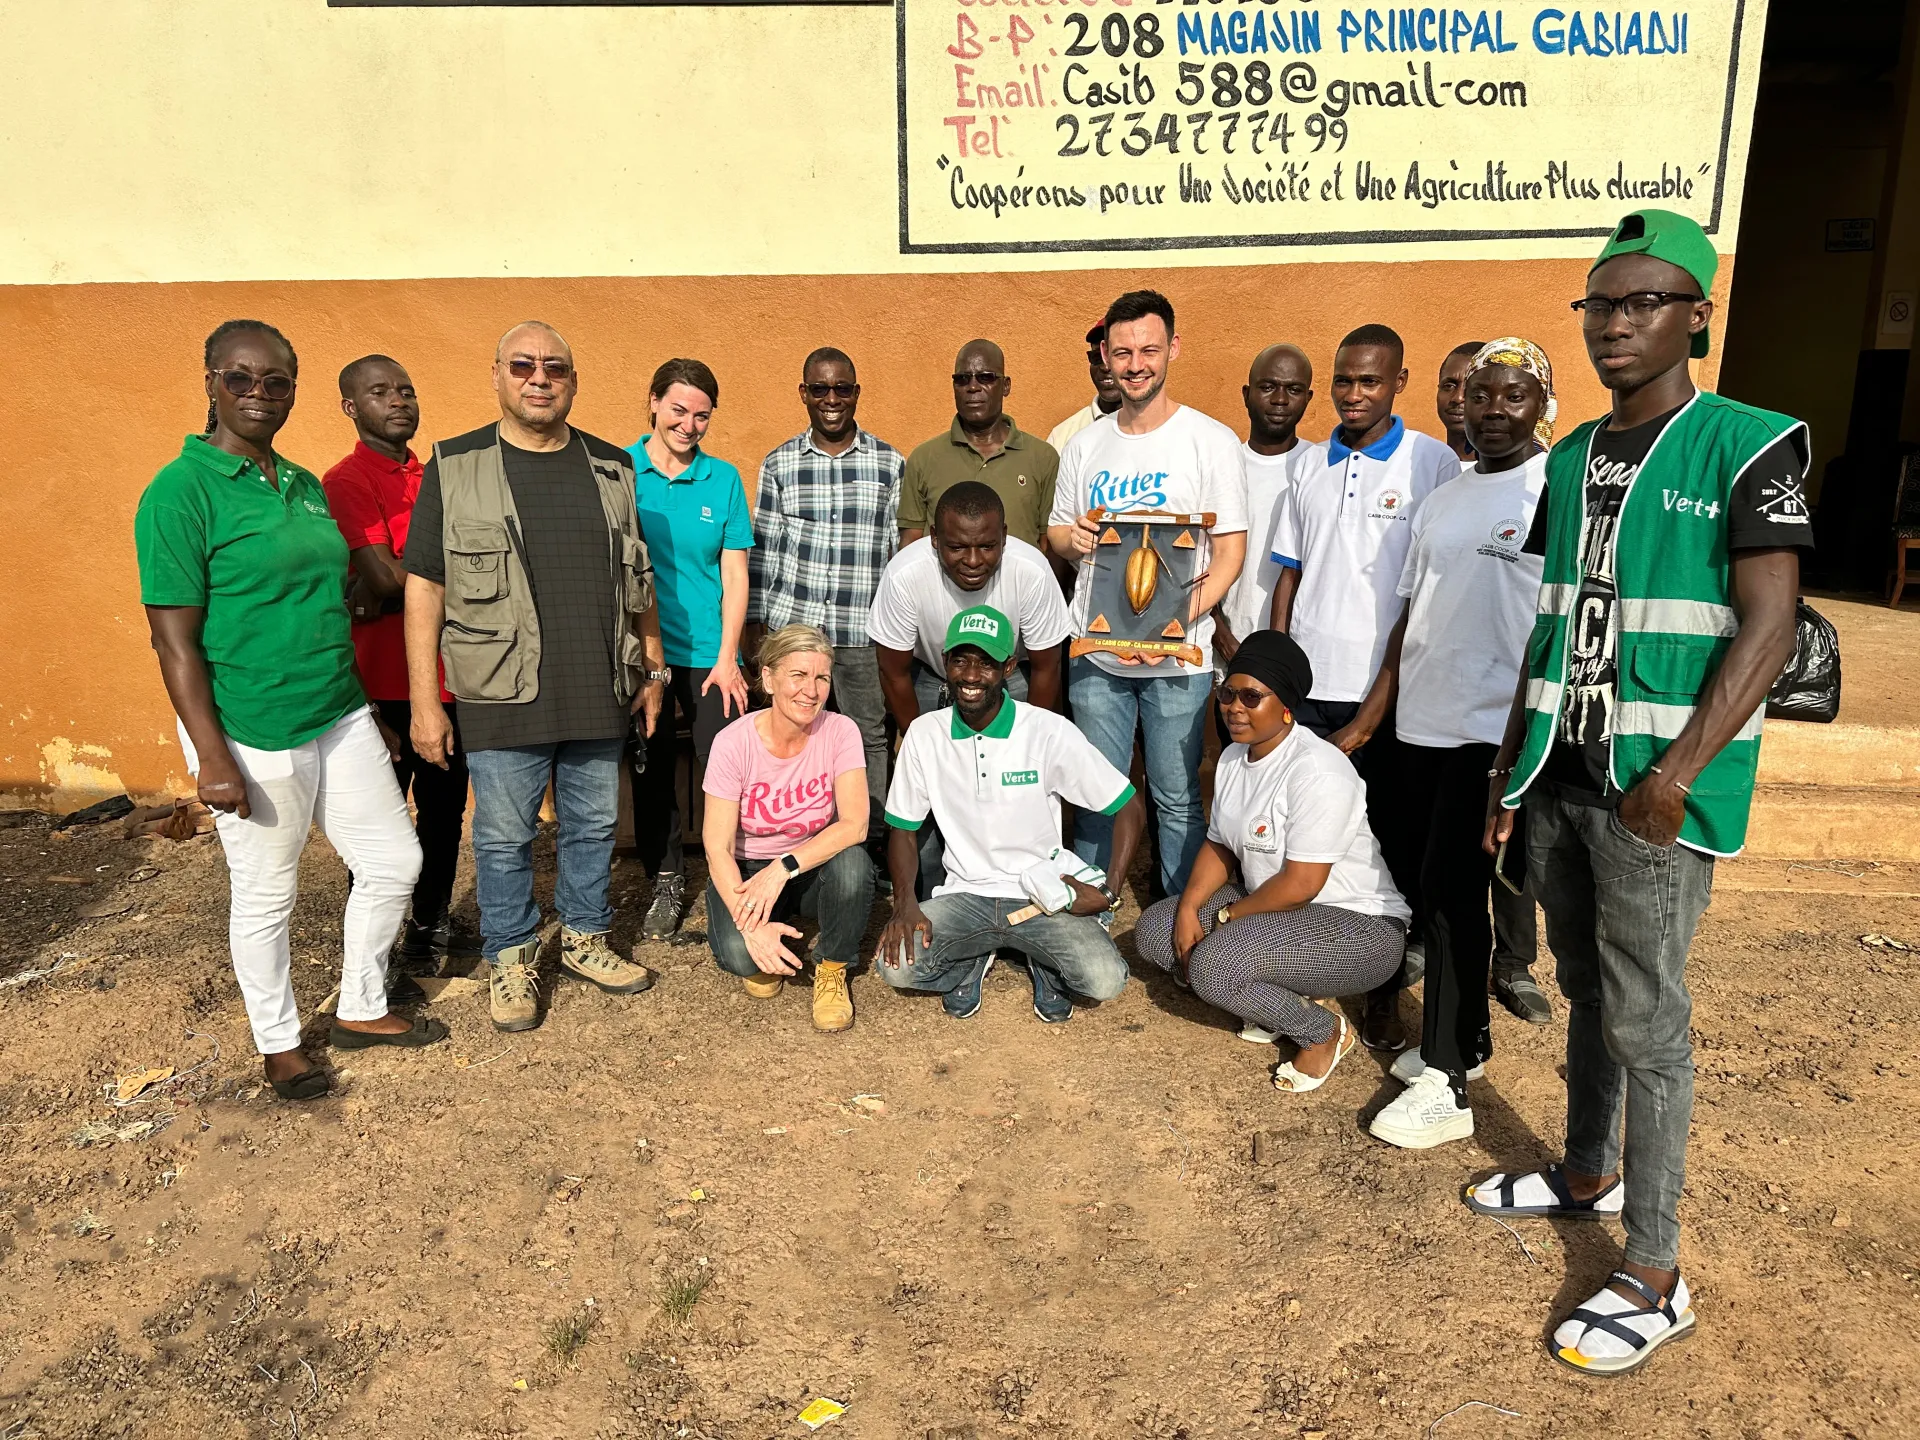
(916, 600)
(1249, 605)
(1346, 527)
(1302, 801)
(1473, 595)
(996, 793)
(1187, 465)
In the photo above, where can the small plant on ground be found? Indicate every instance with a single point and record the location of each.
(568, 1335)
(682, 1293)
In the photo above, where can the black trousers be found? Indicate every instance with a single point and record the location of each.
(439, 805)
(1381, 762)
(659, 821)
(1447, 790)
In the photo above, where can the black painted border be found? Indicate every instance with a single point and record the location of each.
(1336, 237)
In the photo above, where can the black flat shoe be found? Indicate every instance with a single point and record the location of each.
(423, 1032)
(307, 1085)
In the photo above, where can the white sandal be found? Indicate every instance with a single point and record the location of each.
(1298, 1082)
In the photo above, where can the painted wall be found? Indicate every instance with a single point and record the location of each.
(718, 182)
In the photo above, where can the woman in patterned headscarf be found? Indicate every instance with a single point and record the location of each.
(1470, 584)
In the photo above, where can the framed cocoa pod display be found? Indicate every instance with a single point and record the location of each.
(1142, 573)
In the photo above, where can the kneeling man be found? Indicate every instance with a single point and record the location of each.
(992, 772)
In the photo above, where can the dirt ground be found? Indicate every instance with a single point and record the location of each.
(685, 1214)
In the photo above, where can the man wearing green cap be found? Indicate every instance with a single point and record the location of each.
(992, 771)
(1671, 533)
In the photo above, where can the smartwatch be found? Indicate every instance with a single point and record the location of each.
(790, 863)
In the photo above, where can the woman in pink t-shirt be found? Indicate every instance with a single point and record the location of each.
(785, 830)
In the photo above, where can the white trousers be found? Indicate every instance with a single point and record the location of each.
(342, 781)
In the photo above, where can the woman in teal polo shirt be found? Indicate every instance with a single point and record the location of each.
(243, 574)
(698, 530)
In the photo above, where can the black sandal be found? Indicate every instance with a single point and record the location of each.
(422, 1032)
(309, 1084)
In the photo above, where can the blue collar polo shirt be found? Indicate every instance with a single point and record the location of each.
(687, 521)
(1345, 525)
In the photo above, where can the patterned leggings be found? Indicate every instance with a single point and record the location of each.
(1263, 967)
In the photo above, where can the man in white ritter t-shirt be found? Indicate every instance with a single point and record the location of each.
(1341, 538)
(1278, 390)
(1152, 454)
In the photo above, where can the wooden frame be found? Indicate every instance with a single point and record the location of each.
(1143, 567)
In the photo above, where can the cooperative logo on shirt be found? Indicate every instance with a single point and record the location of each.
(1507, 532)
(1019, 777)
(1143, 490)
(1390, 501)
(1260, 835)
(313, 509)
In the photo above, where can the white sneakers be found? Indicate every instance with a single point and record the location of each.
(1254, 1033)
(1408, 1065)
(1426, 1114)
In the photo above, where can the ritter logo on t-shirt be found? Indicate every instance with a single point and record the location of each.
(1140, 490)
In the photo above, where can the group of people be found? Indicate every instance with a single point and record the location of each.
(1449, 678)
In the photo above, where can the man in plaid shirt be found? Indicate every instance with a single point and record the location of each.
(823, 527)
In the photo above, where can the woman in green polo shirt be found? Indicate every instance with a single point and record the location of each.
(243, 573)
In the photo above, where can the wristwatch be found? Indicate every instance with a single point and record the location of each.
(790, 863)
(1113, 900)
(1222, 916)
(661, 675)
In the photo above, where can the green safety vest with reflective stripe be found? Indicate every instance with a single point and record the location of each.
(1673, 617)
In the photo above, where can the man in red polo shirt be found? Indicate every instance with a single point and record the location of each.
(371, 493)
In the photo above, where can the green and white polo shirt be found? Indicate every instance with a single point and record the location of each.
(996, 793)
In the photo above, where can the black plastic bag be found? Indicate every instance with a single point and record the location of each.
(1809, 688)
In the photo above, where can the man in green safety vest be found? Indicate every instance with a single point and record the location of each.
(1671, 533)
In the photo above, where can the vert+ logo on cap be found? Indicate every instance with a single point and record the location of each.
(984, 628)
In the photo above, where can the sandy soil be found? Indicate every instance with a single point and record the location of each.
(1023, 1231)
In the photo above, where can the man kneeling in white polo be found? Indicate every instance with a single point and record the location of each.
(992, 772)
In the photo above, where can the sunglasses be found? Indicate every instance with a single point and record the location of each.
(522, 368)
(242, 383)
(1246, 698)
(976, 377)
(839, 389)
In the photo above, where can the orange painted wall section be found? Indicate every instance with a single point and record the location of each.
(113, 381)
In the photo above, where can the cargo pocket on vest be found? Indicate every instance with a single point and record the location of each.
(477, 563)
(481, 664)
(636, 572)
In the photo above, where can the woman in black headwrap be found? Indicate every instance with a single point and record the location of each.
(1314, 912)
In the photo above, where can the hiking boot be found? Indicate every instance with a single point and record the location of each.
(762, 986)
(832, 1000)
(590, 958)
(515, 987)
(1517, 990)
(668, 907)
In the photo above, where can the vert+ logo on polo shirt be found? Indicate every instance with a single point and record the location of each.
(313, 509)
(1019, 777)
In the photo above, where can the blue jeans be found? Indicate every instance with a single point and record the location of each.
(839, 894)
(1170, 712)
(508, 786)
(967, 928)
(930, 690)
(1620, 919)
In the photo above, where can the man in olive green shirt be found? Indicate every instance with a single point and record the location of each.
(985, 445)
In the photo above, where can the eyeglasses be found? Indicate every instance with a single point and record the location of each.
(522, 368)
(839, 389)
(976, 377)
(242, 383)
(1639, 307)
(1247, 698)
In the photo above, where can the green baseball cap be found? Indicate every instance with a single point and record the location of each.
(984, 628)
(1669, 237)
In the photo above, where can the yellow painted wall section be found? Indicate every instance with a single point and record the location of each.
(118, 378)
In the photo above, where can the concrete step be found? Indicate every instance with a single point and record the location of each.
(1832, 822)
(1793, 753)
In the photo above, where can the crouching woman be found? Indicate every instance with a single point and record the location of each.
(1314, 912)
(785, 828)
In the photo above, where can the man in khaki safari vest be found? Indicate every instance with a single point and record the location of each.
(1671, 533)
(528, 576)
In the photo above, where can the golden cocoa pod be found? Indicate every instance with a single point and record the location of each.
(1143, 576)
